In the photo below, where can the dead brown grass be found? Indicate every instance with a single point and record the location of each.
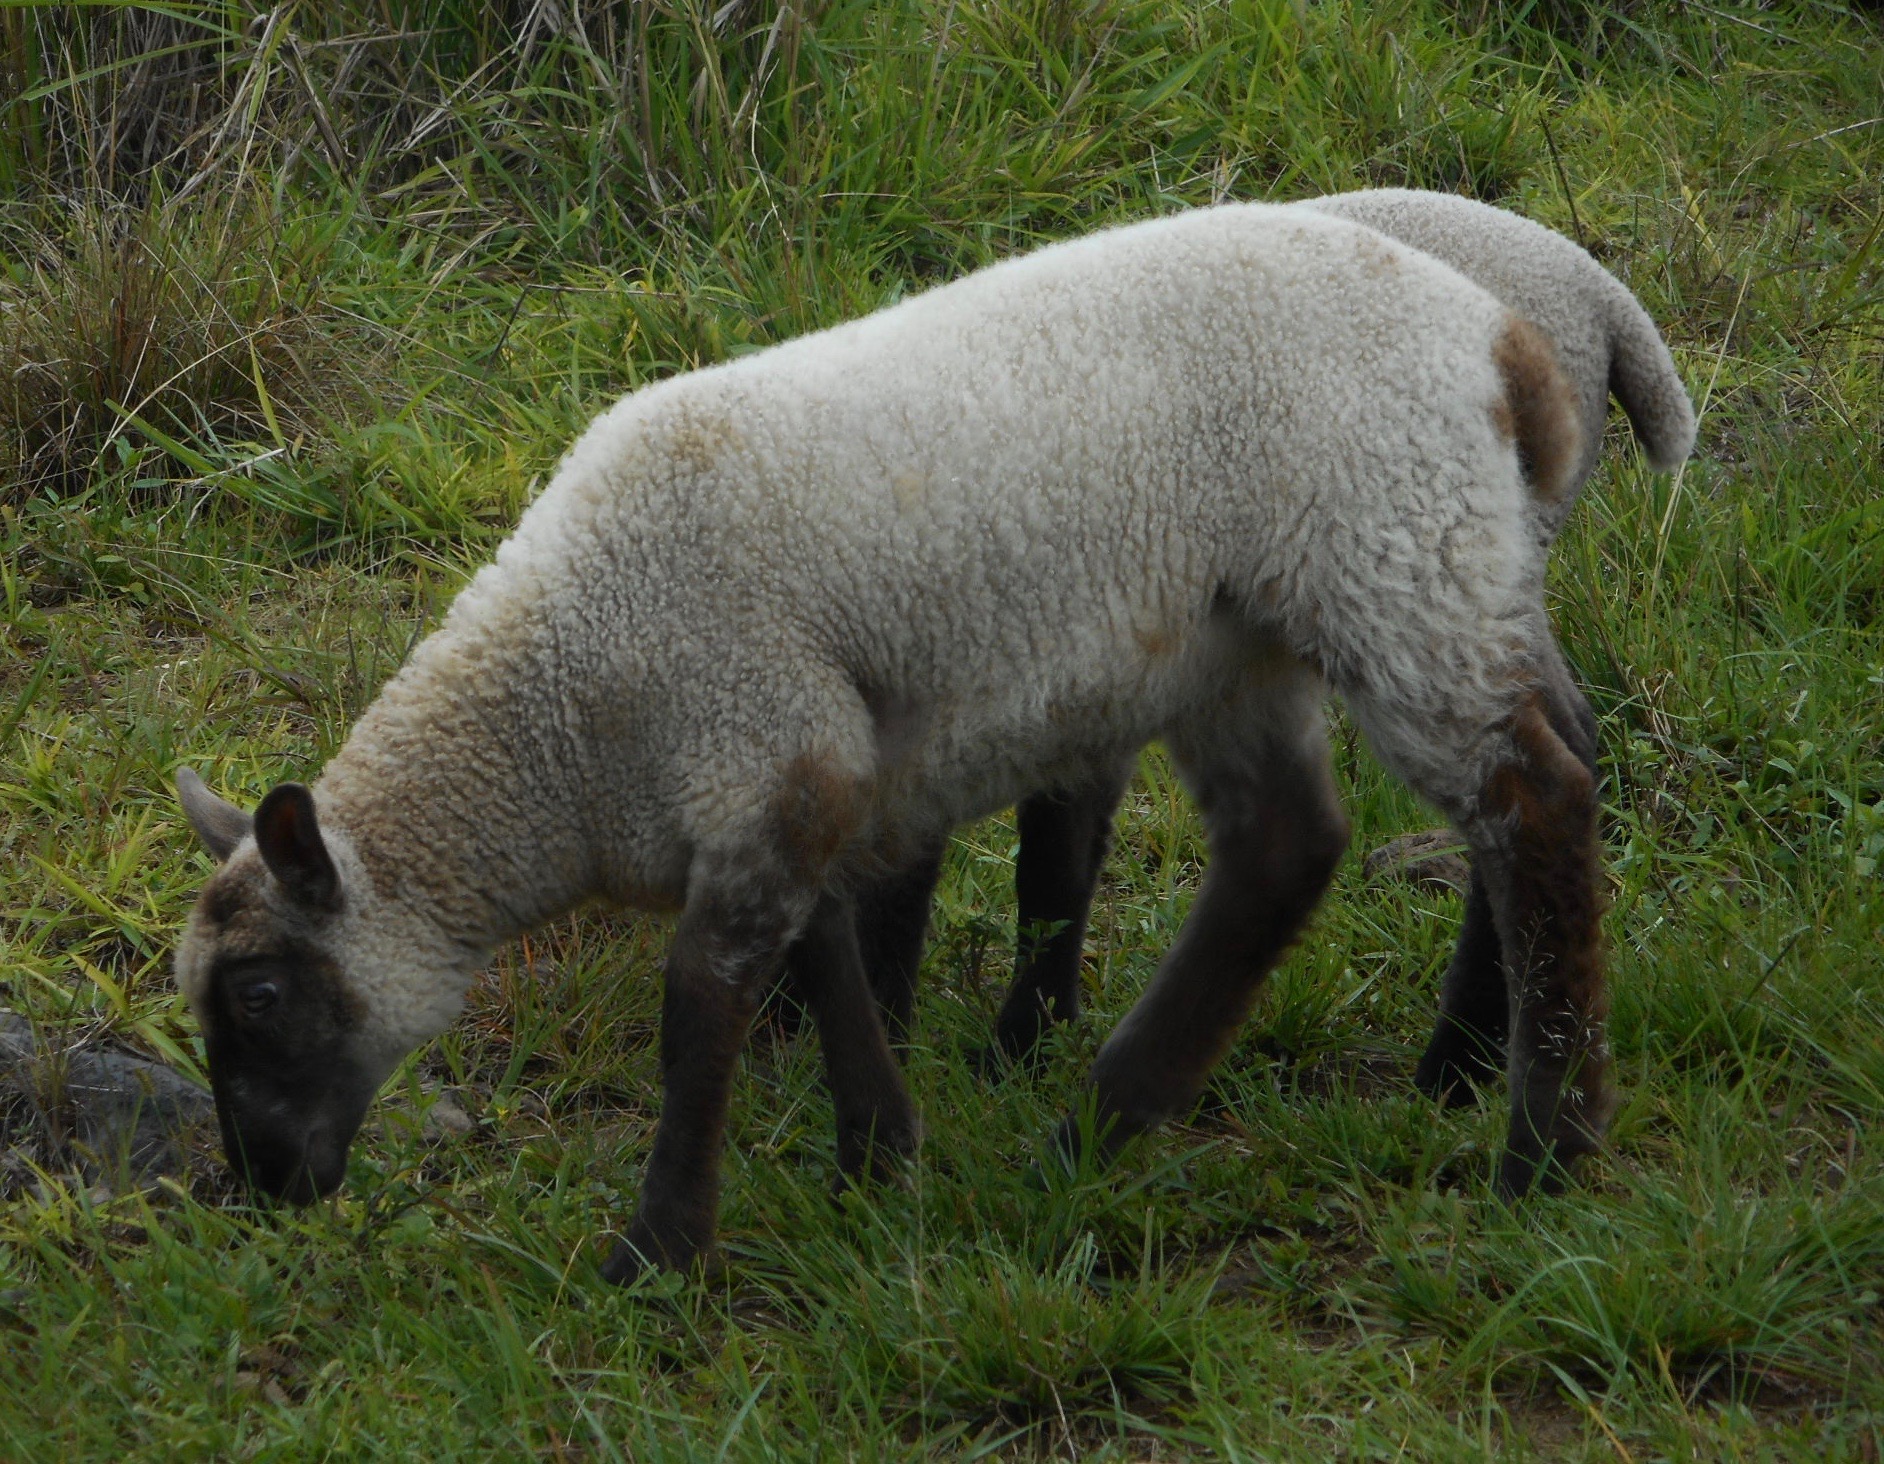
(130, 328)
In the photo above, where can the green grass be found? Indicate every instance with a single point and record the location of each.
(288, 371)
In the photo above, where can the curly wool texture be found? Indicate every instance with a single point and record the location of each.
(944, 554)
(1605, 341)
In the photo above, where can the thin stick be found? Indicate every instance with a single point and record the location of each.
(1563, 182)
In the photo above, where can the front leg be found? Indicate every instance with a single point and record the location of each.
(892, 918)
(1260, 773)
(729, 947)
(876, 1122)
(750, 893)
(1063, 842)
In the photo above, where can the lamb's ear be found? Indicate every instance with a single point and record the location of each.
(292, 847)
(217, 821)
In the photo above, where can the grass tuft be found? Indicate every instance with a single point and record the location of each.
(148, 341)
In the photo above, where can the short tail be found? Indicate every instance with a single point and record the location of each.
(1643, 378)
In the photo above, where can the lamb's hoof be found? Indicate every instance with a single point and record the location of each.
(625, 1265)
(1078, 1150)
(1075, 1140)
(641, 1254)
(876, 1156)
(1451, 1072)
(879, 1176)
(1080, 1147)
(1008, 1055)
(1059, 1161)
(1521, 1175)
(1452, 1084)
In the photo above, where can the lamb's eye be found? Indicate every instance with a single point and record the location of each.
(255, 997)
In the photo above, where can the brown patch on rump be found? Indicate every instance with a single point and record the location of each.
(1155, 642)
(818, 807)
(1539, 409)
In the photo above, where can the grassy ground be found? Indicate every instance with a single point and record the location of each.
(294, 326)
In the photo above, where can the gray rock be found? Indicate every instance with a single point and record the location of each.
(116, 1115)
(446, 1120)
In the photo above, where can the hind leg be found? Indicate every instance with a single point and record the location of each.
(1467, 1047)
(1468, 1041)
(1063, 841)
(1262, 780)
(1537, 831)
(1519, 788)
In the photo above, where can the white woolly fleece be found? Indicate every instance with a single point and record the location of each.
(1605, 340)
(1005, 529)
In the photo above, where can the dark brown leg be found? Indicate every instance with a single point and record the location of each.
(875, 1119)
(1063, 841)
(1468, 1043)
(892, 927)
(727, 949)
(1534, 838)
(1276, 833)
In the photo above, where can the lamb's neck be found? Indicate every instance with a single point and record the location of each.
(463, 799)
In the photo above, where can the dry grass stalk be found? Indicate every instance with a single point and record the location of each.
(139, 325)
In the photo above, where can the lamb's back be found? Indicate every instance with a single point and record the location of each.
(1104, 427)
(1019, 504)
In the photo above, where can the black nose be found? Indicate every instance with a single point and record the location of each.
(286, 1127)
(298, 1168)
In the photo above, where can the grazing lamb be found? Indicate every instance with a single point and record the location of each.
(777, 624)
(1605, 343)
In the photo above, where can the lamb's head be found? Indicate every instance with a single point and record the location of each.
(308, 984)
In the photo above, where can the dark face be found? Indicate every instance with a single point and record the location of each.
(280, 1024)
(288, 1094)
